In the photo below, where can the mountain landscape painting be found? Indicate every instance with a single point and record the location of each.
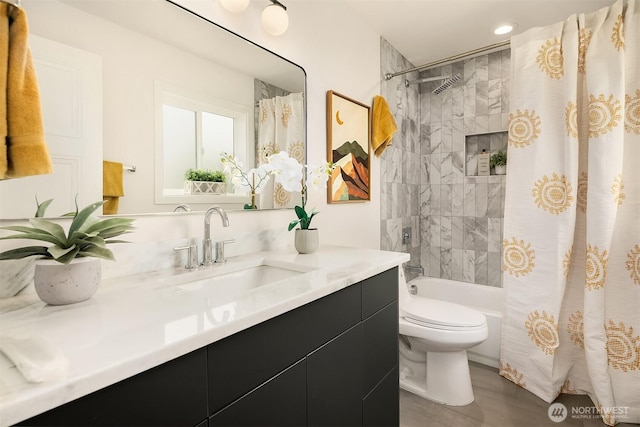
(348, 137)
(350, 178)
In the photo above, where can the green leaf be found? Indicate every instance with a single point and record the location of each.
(108, 242)
(42, 207)
(111, 227)
(56, 252)
(52, 228)
(293, 223)
(83, 215)
(302, 214)
(68, 257)
(25, 252)
(32, 234)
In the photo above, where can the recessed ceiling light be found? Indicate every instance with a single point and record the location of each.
(504, 29)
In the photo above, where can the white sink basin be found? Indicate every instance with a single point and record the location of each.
(229, 281)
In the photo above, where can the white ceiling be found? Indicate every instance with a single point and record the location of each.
(430, 30)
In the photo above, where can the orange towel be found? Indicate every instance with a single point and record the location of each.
(24, 151)
(384, 125)
(112, 186)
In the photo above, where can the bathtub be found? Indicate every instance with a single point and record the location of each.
(487, 299)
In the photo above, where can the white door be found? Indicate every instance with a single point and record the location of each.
(70, 83)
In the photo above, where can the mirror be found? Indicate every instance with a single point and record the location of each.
(130, 66)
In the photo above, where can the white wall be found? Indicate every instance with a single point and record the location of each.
(339, 53)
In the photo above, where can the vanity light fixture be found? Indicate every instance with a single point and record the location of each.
(235, 6)
(275, 20)
(504, 29)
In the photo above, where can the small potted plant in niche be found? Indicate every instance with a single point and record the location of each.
(204, 181)
(69, 270)
(499, 162)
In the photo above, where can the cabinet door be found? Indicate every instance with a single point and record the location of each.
(172, 394)
(280, 402)
(381, 407)
(334, 381)
(243, 361)
(380, 345)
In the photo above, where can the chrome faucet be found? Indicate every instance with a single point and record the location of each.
(207, 246)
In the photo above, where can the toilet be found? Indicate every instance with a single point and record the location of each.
(434, 338)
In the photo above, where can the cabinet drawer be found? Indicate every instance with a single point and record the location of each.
(378, 291)
(243, 361)
(280, 402)
(380, 345)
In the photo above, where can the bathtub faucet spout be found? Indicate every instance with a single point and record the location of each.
(417, 268)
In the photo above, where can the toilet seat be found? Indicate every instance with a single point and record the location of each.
(440, 314)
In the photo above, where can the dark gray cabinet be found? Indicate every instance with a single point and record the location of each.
(172, 394)
(332, 362)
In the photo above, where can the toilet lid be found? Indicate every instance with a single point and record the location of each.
(442, 313)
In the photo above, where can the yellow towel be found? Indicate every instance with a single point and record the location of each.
(384, 125)
(112, 188)
(24, 150)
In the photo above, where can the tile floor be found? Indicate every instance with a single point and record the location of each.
(498, 403)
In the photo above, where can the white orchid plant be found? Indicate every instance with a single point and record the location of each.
(288, 172)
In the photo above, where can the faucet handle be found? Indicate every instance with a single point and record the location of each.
(220, 258)
(192, 256)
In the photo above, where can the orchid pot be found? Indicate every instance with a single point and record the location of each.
(306, 241)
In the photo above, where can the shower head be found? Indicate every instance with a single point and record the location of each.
(446, 84)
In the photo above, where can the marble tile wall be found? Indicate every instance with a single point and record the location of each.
(400, 163)
(461, 219)
(456, 220)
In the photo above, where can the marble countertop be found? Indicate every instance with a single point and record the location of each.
(135, 323)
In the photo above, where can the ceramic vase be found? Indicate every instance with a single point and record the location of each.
(306, 241)
(500, 169)
(60, 284)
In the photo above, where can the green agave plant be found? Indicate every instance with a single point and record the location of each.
(88, 236)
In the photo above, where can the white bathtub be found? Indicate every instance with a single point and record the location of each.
(487, 299)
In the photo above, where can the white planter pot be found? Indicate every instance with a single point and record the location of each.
(306, 241)
(500, 169)
(59, 284)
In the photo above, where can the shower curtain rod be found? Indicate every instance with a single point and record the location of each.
(497, 45)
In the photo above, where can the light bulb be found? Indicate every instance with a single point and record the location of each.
(504, 29)
(235, 6)
(275, 20)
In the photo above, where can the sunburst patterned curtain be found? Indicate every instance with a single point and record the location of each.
(572, 212)
(280, 128)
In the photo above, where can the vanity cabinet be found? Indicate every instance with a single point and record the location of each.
(333, 361)
(348, 345)
(172, 394)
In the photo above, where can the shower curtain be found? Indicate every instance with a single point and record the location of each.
(571, 249)
(280, 128)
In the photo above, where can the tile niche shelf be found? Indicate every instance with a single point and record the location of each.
(474, 144)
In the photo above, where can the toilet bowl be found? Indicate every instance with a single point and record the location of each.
(434, 338)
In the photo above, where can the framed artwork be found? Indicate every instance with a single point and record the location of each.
(348, 140)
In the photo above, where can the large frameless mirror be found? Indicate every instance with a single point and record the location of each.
(153, 87)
